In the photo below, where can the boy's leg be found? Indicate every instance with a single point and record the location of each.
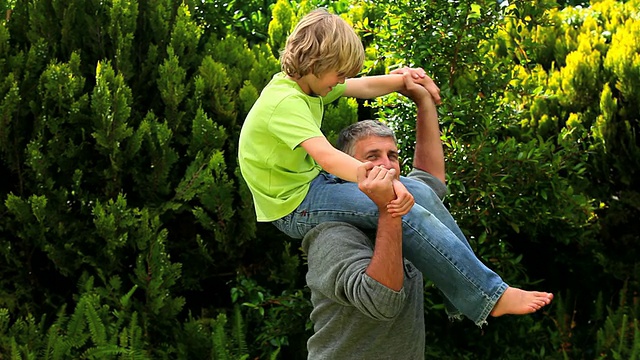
(511, 300)
(330, 199)
(471, 288)
(424, 196)
(428, 199)
(430, 245)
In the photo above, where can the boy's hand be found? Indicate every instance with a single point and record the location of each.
(415, 91)
(419, 76)
(404, 200)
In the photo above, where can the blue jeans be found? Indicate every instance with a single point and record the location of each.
(431, 239)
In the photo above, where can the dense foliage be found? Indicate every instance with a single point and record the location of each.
(121, 197)
(539, 120)
(126, 230)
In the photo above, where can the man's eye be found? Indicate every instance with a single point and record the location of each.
(371, 157)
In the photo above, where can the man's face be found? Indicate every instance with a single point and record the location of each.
(381, 151)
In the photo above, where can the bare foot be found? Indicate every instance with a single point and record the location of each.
(519, 302)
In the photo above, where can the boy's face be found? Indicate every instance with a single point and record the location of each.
(380, 151)
(322, 84)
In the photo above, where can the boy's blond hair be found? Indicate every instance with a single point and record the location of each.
(322, 42)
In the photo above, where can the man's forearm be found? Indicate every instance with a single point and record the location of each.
(387, 265)
(428, 155)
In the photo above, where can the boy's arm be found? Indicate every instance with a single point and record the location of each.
(346, 167)
(369, 87)
(333, 160)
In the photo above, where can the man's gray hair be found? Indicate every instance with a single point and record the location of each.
(350, 135)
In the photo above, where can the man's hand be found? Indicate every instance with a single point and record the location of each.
(377, 183)
(403, 202)
(418, 76)
(416, 92)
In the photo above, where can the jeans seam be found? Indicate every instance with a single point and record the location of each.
(490, 300)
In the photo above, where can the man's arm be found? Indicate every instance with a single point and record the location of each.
(347, 268)
(428, 155)
(387, 265)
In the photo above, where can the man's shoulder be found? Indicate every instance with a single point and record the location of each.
(330, 231)
(334, 227)
(434, 183)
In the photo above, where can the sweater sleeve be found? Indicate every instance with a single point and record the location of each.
(338, 255)
(434, 183)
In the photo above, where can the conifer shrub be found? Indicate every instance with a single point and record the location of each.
(124, 218)
(126, 229)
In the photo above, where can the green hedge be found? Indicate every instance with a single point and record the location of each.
(126, 230)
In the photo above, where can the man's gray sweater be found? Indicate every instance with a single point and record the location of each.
(354, 316)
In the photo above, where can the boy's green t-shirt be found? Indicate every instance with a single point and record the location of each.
(277, 170)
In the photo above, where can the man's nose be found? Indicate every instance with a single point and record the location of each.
(385, 163)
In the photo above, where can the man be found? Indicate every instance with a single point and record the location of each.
(367, 299)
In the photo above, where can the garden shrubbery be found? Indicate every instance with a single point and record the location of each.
(126, 229)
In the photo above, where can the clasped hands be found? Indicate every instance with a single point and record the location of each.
(382, 186)
(417, 76)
